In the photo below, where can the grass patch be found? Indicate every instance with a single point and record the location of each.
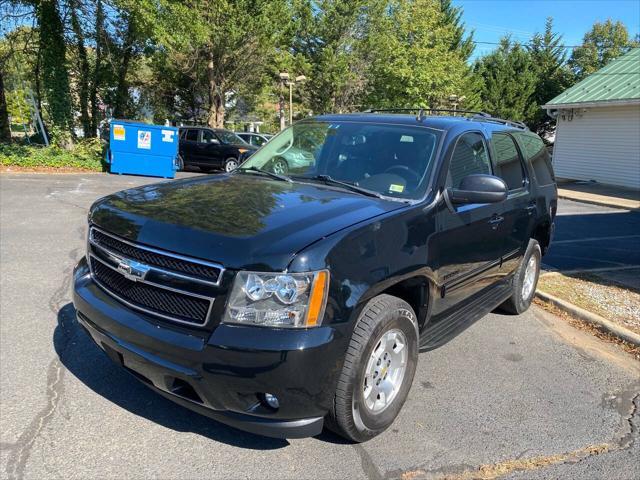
(84, 155)
(597, 294)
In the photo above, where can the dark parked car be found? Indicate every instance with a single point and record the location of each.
(212, 149)
(278, 304)
(255, 139)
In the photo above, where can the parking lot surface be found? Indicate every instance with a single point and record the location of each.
(525, 396)
(594, 237)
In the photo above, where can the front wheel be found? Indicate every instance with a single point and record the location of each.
(378, 369)
(230, 164)
(524, 280)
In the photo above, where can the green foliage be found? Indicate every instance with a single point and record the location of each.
(84, 155)
(412, 62)
(603, 43)
(509, 79)
(55, 76)
(553, 75)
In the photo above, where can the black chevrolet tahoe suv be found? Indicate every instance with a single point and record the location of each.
(282, 303)
(211, 149)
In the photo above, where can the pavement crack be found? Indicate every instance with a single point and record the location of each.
(21, 450)
(20, 453)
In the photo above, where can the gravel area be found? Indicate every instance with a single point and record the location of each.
(598, 294)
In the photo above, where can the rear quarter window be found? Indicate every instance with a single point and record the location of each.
(535, 151)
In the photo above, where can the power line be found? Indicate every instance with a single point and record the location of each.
(555, 46)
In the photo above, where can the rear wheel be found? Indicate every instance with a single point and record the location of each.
(525, 280)
(230, 164)
(280, 166)
(180, 163)
(378, 370)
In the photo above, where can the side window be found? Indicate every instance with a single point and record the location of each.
(469, 157)
(192, 135)
(207, 136)
(257, 141)
(508, 162)
(536, 153)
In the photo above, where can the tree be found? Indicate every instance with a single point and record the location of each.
(509, 81)
(461, 42)
(548, 57)
(82, 66)
(329, 35)
(233, 39)
(53, 65)
(603, 43)
(413, 59)
(5, 129)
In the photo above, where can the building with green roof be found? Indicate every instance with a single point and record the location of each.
(598, 125)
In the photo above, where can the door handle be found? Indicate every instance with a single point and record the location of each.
(531, 208)
(495, 221)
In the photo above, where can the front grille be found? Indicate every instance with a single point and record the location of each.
(156, 300)
(206, 272)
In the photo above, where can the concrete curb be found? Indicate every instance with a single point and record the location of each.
(602, 203)
(575, 311)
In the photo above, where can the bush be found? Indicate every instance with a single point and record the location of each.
(84, 155)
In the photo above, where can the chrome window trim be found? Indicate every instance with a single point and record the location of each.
(161, 252)
(108, 291)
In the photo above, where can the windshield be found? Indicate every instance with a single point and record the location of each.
(229, 137)
(393, 160)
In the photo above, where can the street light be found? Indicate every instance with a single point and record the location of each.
(455, 101)
(285, 78)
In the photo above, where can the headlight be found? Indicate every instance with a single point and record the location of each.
(292, 300)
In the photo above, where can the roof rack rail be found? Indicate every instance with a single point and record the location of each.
(421, 111)
(475, 115)
(502, 121)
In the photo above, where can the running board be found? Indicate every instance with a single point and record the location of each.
(449, 327)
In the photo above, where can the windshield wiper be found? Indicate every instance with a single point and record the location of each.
(277, 176)
(349, 186)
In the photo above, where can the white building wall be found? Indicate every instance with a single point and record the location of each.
(601, 144)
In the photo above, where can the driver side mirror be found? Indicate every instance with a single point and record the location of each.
(478, 188)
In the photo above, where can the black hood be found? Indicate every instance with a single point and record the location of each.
(239, 220)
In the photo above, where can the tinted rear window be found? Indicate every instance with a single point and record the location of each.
(536, 152)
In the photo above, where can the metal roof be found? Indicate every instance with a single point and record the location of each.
(617, 82)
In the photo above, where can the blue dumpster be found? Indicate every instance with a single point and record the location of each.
(142, 149)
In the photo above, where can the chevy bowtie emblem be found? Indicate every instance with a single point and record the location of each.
(133, 270)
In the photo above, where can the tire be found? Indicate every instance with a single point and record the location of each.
(280, 166)
(524, 290)
(230, 164)
(355, 415)
(180, 163)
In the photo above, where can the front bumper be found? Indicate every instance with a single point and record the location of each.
(221, 374)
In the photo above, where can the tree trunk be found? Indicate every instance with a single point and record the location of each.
(122, 90)
(93, 94)
(215, 118)
(5, 129)
(55, 76)
(83, 69)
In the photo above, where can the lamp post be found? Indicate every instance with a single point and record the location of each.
(455, 101)
(285, 79)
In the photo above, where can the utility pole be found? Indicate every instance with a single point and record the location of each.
(285, 80)
(284, 77)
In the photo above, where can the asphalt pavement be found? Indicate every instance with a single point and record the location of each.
(594, 237)
(526, 396)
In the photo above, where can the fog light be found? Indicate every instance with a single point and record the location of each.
(272, 401)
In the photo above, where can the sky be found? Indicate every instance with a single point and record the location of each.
(491, 19)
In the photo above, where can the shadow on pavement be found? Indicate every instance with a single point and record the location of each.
(91, 366)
